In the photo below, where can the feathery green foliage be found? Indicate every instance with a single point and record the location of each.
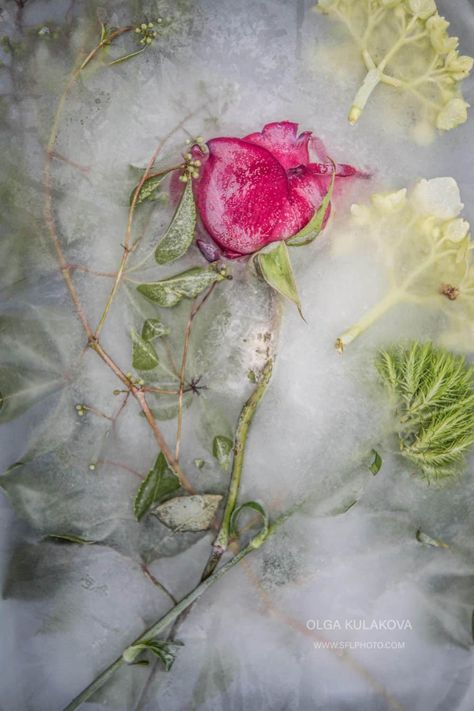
(434, 390)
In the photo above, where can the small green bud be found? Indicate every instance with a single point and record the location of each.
(137, 30)
(148, 40)
(143, 26)
(92, 466)
(150, 25)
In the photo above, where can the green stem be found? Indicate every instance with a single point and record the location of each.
(393, 297)
(241, 434)
(372, 79)
(164, 622)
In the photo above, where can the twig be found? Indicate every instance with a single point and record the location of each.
(131, 652)
(127, 247)
(187, 335)
(157, 584)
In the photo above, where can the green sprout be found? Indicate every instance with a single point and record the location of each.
(425, 247)
(433, 391)
(405, 44)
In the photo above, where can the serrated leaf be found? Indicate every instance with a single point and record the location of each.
(222, 450)
(180, 233)
(309, 233)
(150, 189)
(144, 356)
(275, 267)
(185, 285)
(189, 513)
(159, 483)
(153, 328)
(254, 506)
(164, 650)
(376, 464)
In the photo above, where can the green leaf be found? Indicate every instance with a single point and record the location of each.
(164, 650)
(154, 328)
(185, 285)
(144, 356)
(221, 450)
(189, 513)
(309, 233)
(180, 233)
(376, 462)
(69, 538)
(150, 189)
(254, 506)
(275, 268)
(159, 483)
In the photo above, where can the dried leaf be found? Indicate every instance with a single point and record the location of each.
(189, 513)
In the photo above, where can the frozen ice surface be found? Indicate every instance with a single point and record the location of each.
(256, 640)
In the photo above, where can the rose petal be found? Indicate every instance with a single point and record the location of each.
(282, 140)
(241, 195)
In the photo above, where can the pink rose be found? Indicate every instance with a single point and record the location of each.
(262, 188)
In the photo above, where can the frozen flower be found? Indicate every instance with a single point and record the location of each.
(438, 32)
(422, 8)
(438, 197)
(456, 230)
(262, 188)
(452, 114)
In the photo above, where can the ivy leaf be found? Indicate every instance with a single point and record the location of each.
(180, 233)
(254, 506)
(189, 513)
(154, 328)
(149, 190)
(164, 650)
(159, 483)
(376, 462)
(185, 285)
(309, 233)
(144, 356)
(221, 450)
(275, 268)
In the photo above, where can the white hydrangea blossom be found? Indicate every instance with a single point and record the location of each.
(405, 44)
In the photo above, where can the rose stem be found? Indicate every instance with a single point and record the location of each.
(245, 420)
(158, 627)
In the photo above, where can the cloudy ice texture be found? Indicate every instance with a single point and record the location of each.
(256, 640)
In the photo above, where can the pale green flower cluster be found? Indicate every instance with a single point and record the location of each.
(406, 45)
(425, 247)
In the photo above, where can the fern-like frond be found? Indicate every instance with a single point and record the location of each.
(435, 401)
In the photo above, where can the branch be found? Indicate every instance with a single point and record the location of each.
(158, 627)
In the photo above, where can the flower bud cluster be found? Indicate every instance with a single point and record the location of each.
(146, 31)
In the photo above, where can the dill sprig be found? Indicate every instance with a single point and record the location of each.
(434, 393)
